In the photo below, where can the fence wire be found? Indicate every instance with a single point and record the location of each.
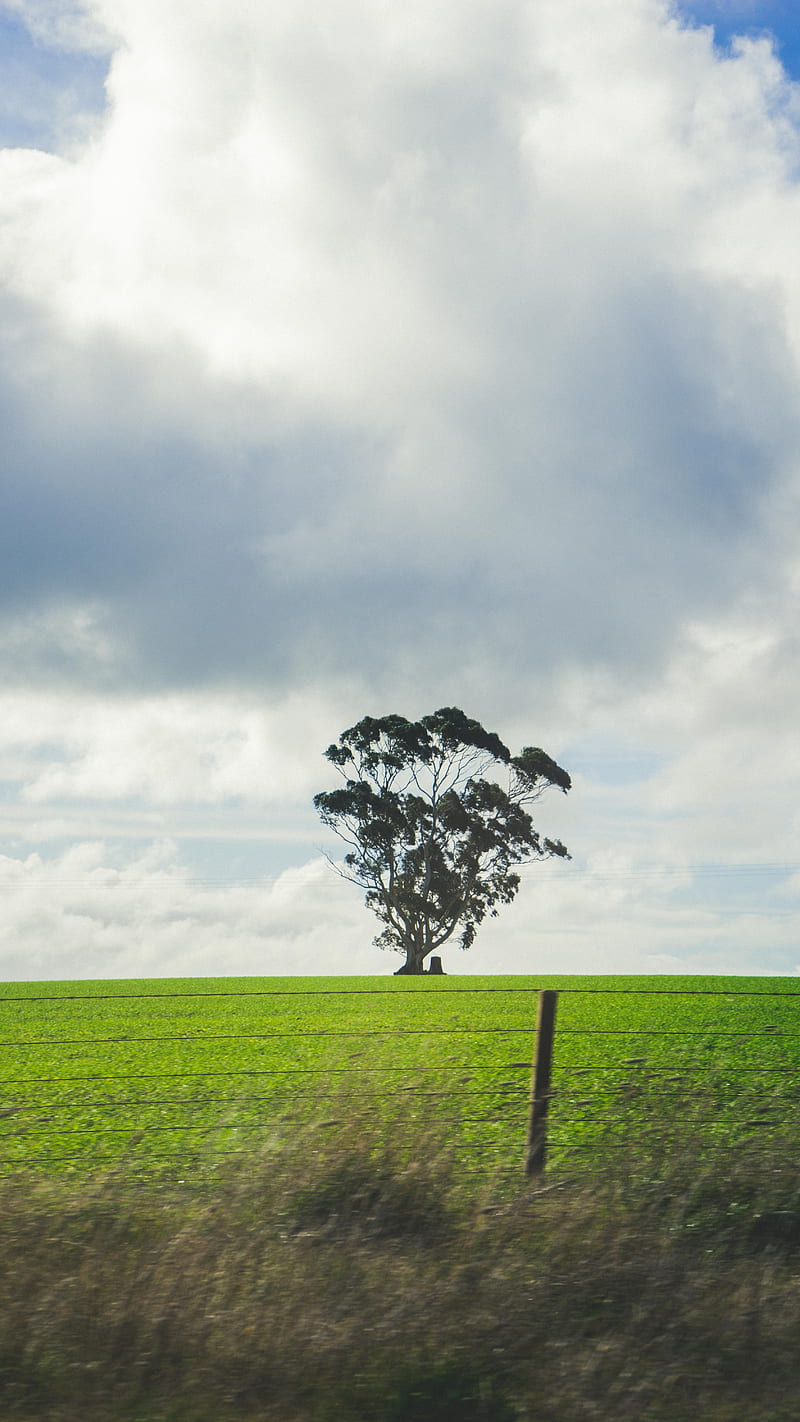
(23, 1123)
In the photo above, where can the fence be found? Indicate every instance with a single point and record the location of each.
(712, 1095)
(87, 1079)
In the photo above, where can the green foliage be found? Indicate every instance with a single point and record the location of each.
(431, 840)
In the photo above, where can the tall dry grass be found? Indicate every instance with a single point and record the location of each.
(360, 1276)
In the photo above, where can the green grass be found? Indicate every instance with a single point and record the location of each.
(176, 1075)
(302, 1200)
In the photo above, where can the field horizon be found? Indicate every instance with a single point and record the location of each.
(536, 981)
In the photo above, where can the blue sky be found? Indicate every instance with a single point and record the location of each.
(377, 360)
(47, 91)
(753, 18)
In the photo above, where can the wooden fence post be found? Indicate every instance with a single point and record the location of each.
(536, 1147)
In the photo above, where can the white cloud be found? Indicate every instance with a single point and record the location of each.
(163, 752)
(342, 207)
(372, 358)
(85, 914)
(90, 912)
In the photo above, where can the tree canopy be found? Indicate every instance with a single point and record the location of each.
(433, 835)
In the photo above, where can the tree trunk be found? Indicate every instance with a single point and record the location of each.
(414, 964)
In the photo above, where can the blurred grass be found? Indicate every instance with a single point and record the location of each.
(359, 1273)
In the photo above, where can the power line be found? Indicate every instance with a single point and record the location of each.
(173, 879)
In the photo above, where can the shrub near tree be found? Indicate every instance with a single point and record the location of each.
(434, 816)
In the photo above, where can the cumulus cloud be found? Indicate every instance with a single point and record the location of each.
(88, 914)
(416, 325)
(92, 912)
(372, 359)
(163, 751)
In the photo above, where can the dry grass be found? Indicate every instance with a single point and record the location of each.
(362, 1278)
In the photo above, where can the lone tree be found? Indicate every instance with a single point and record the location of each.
(431, 839)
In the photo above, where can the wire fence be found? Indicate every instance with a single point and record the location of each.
(178, 1079)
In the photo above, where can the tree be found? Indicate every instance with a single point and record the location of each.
(431, 839)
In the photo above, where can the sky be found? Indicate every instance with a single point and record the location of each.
(362, 359)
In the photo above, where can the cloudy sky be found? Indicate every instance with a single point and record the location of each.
(360, 358)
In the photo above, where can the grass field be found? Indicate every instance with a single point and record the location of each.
(172, 1075)
(285, 1200)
